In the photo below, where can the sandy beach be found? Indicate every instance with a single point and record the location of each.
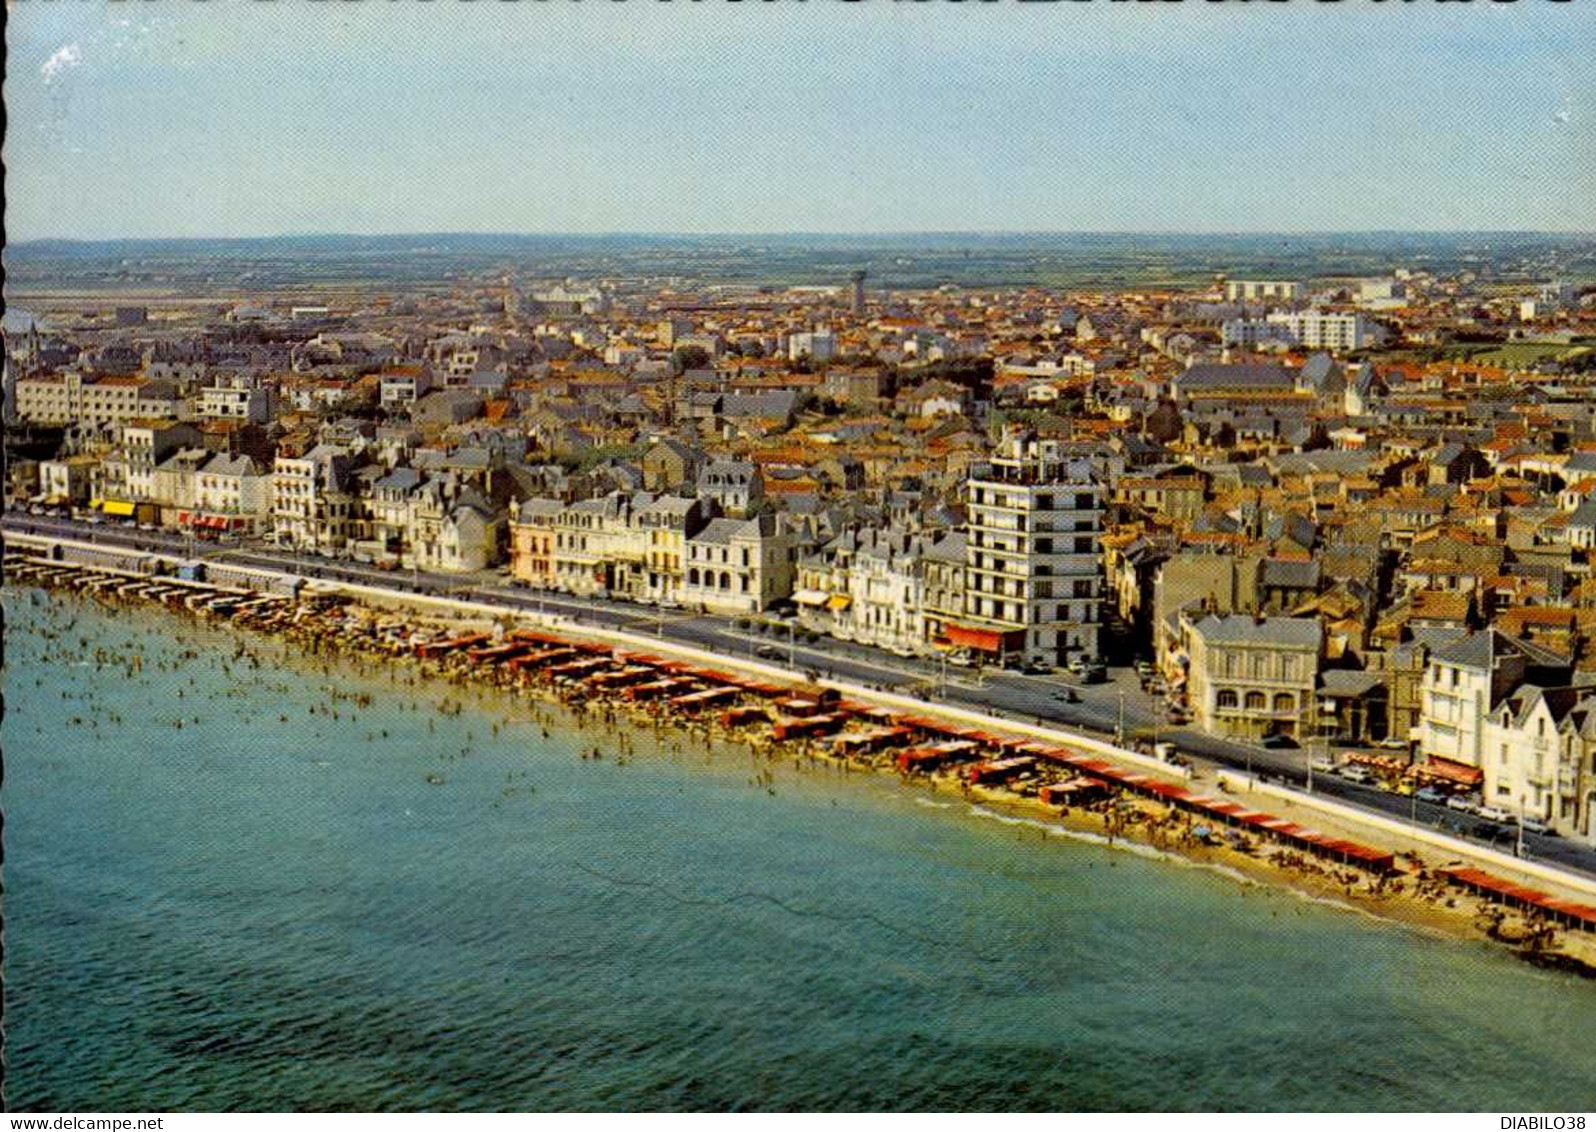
(1412, 893)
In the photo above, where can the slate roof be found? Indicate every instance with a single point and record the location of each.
(533, 509)
(1479, 651)
(400, 479)
(1348, 682)
(1431, 638)
(1240, 629)
(722, 531)
(1209, 375)
(674, 505)
(230, 466)
(773, 403)
(1290, 575)
(1584, 515)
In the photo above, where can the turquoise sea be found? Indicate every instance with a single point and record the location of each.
(273, 908)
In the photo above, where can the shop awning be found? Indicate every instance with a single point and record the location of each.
(839, 602)
(983, 640)
(117, 507)
(1461, 773)
(810, 597)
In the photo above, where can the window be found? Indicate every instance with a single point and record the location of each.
(1285, 701)
(1226, 698)
(1256, 701)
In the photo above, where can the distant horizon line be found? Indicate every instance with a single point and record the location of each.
(985, 233)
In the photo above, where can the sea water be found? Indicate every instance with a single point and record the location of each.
(272, 908)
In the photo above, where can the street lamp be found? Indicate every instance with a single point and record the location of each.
(1308, 730)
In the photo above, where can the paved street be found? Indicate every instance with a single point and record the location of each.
(1098, 712)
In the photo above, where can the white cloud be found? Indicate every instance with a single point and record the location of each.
(67, 56)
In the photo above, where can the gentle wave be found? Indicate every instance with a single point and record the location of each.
(1152, 853)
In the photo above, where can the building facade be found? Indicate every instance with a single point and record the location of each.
(1251, 677)
(1033, 572)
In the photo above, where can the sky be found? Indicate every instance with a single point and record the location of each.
(174, 118)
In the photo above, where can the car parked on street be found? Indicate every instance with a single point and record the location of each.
(1536, 825)
(1352, 772)
(1494, 813)
(1463, 803)
(1431, 794)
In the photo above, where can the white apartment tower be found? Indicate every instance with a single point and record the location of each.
(1325, 330)
(1264, 290)
(1033, 584)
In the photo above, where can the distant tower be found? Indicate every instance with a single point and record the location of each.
(858, 278)
(8, 389)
